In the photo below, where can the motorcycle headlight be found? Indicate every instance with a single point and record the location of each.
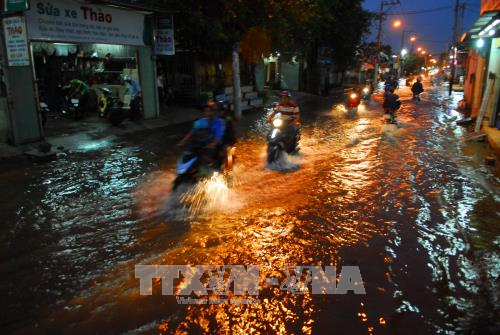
(278, 123)
(354, 96)
(366, 90)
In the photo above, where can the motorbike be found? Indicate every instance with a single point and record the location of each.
(366, 93)
(197, 163)
(105, 102)
(283, 138)
(69, 107)
(352, 103)
(390, 112)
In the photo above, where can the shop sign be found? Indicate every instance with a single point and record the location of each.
(70, 21)
(11, 6)
(489, 6)
(16, 42)
(164, 37)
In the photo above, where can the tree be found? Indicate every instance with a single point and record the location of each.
(294, 28)
(413, 63)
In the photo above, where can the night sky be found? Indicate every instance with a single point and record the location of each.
(433, 29)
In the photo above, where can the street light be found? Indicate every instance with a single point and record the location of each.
(403, 52)
(413, 39)
(397, 24)
(419, 49)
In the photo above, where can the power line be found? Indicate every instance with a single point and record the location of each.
(415, 12)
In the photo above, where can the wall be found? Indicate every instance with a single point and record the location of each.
(494, 67)
(469, 80)
(478, 89)
(260, 75)
(4, 120)
(289, 78)
(25, 119)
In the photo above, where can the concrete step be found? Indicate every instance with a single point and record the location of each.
(251, 95)
(244, 89)
(244, 106)
(256, 102)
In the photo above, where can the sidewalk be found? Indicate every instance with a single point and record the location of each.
(95, 133)
(493, 135)
(92, 133)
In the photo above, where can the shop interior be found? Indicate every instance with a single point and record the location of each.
(101, 67)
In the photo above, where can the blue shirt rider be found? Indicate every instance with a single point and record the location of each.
(210, 121)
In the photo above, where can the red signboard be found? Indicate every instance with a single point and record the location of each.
(489, 6)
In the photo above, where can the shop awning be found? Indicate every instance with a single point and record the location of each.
(482, 22)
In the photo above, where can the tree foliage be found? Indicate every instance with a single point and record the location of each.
(290, 27)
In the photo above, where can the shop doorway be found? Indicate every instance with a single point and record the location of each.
(82, 87)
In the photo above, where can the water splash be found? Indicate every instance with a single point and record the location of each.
(286, 163)
(210, 195)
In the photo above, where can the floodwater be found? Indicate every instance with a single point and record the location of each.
(414, 207)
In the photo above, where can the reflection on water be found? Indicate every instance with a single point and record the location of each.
(402, 203)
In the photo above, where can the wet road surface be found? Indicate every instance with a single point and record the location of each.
(412, 206)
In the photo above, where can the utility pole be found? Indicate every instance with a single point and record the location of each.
(453, 46)
(379, 36)
(379, 44)
(236, 82)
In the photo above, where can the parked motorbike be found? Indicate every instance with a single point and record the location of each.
(69, 107)
(283, 137)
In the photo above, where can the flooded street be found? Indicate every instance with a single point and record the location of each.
(409, 205)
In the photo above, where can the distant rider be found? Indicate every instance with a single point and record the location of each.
(290, 113)
(230, 137)
(134, 89)
(417, 88)
(391, 104)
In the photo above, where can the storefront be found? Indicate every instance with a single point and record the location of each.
(482, 87)
(70, 40)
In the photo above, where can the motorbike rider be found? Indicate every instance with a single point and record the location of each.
(391, 104)
(230, 138)
(216, 128)
(417, 88)
(391, 82)
(134, 89)
(290, 113)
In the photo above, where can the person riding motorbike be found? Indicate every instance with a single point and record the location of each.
(230, 138)
(290, 112)
(417, 88)
(391, 104)
(135, 91)
(391, 82)
(216, 129)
